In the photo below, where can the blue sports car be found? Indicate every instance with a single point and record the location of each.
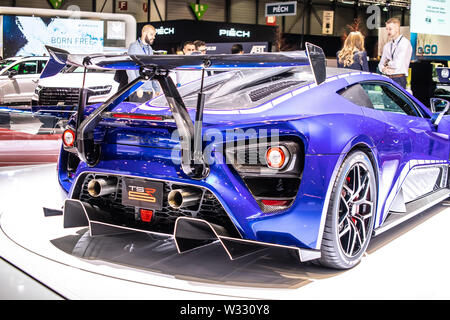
(257, 150)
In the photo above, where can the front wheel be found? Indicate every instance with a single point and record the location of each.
(351, 213)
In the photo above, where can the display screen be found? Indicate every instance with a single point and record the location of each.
(115, 30)
(26, 36)
(430, 17)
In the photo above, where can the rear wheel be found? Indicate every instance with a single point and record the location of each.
(351, 213)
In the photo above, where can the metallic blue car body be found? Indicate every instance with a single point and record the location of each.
(329, 127)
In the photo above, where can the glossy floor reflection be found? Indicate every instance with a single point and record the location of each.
(271, 267)
(409, 261)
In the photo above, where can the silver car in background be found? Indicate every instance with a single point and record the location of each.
(63, 89)
(18, 79)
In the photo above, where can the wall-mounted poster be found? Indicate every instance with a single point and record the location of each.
(431, 45)
(26, 36)
(430, 16)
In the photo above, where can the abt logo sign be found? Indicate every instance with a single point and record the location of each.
(281, 9)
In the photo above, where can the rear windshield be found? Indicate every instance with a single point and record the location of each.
(238, 89)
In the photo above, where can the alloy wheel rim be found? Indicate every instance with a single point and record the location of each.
(355, 210)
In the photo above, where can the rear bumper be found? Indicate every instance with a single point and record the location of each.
(300, 226)
(189, 233)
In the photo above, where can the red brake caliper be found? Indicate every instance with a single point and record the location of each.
(353, 219)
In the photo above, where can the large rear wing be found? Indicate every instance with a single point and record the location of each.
(59, 58)
(157, 67)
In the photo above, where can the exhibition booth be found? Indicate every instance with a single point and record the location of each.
(218, 36)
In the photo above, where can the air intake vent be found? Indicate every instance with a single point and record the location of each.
(261, 93)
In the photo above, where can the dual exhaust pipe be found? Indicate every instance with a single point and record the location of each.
(177, 198)
(180, 198)
(101, 187)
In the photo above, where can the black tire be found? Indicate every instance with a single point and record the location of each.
(351, 213)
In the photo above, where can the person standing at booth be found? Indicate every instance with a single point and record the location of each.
(397, 54)
(188, 48)
(181, 77)
(143, 46)
(237, 49)
(353, 54)
(200, 46)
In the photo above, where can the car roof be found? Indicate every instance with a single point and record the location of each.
(12, 58)
(34, 57)
(19, 58)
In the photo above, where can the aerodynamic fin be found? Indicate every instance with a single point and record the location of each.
(317, 61)
(56, 62)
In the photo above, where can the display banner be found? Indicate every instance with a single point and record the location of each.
(430, 16)
(25, 36)
(328, 21)
(281, 9)
(430, 45)
(179, 31)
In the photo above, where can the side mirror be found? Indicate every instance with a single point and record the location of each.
(439, 107)
(12, 73)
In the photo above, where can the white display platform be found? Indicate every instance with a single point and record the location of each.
(408, 262)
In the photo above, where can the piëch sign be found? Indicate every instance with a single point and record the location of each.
(178, 31)
(234, 33)
(281, 9)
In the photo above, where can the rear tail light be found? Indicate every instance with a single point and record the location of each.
(68, 137)
(146, 215)
(271, 170)
(274, 206)
(277, 157)
(137, 116)
(276, 203)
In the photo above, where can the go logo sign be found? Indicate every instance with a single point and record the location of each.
(428, 49)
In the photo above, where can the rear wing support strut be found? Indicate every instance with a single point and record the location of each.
(88, 151)
(192, 162)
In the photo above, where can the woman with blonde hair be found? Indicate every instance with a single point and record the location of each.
(353, 55)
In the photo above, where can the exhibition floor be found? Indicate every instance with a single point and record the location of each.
(408, 262)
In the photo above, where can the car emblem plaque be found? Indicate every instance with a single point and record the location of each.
(142, 194)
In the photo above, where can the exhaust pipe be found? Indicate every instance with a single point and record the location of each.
(179, 198)
(101, 187)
